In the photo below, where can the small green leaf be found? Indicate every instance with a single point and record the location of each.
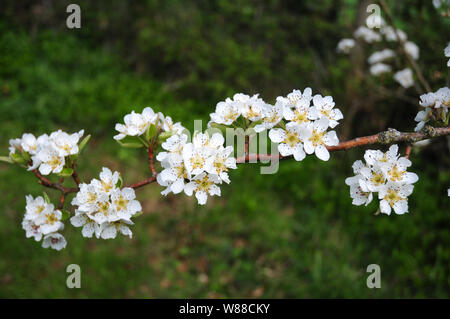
(83, 143)
(164, 136)
(17, 158)
(65, 214)
(119, 182)
(26, 156)
(66, 172)
(130, 145)
(6, 159)
(151, 131)
(46, 198)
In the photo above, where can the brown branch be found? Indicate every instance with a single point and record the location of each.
(402, 43)
(390, 136)
(61, 201)
(143, 182)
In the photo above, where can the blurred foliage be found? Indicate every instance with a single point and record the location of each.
(292, 234)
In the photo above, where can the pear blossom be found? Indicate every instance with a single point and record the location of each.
(226, 112)
(42, 220)
(223, 161)
(15, 145)
(55, 241)
(394, 196)
(136, 124)
(380, 56)
(203, 185)
(251, 107)
(380, 68)
(109, 230)
(404, 77)
(385, 173)
(173, 175)
(345, 45)
(49, 159)
(429, 101)
(29, 143)
(66, 144)
(391, 34)
(298, 99)
(273, 114)
(290, 140)
(368, 35)
(102, 202)
(412, 49)
(316, 138)
(169, 126)
(324, 107)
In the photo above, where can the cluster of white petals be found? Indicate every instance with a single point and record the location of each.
(378, 61)
(385, 174)
(305, 131)
(104, 208)
(345, 45)
(47, 152)
(430, 101)
(447, 53)
(404, 77)
(136, 124)
(195, 167)
(42, 220)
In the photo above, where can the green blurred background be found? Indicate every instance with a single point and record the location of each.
(294, 234)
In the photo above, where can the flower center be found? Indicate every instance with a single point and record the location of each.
(219, 164)
(121, 203)
(316, 138)
(103, 208)
(291, 139)
(377, 179)
(51, 219)
(55, 162)
(197, 161)
(107, 186)
(300, 117)
(392, 196)
(204, 184)
(395, 174)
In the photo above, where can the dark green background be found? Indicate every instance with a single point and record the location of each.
(293, 234)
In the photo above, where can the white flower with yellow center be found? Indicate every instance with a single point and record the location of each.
(37, 207)
(80, 219)
(108, 181)
(316, 139)
(203, 185)
(55, 241)
(290, 140)
(173, 175)
(252, 108)
(86, 198)
(109, 230)
(226, 112)
(223, 161)
(135, 124)
(273, 114)
(197, 159)
(324, 108)
(396, 172)
(50, 222)
(124, 203)
(373, 178)
(174, 146)
(373, 157)
(66, 144)
(105, 211)
(358, 188)
(50, 159)
(394, 196)
(169, 126)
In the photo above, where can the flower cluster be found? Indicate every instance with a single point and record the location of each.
(433, 101)
(447, 53)
(195, 167)
(47, 152)
(104, 208)
(137, 124)
(42, 220)
(378, 61)
(305, 131)
(386, 174)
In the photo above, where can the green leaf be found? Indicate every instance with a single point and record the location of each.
(17, 158)
(83, 143)
(151, 131)
(164, 136)
(130, 145)
(119, 182)
(6, 159)
(46, 198)
(65, 214)
(66, 172)
(26, 156)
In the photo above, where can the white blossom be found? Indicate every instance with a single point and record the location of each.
(412, 49)
(290, 140)
(390, 34)
(380, 56)
(345, 45)
(429, 101)
(55, 241)
(203, 185)
(447, 53)
(368, 35)
(380, 68)
(404, 77)
(324, 108)
(316, 138)
(136, 124)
